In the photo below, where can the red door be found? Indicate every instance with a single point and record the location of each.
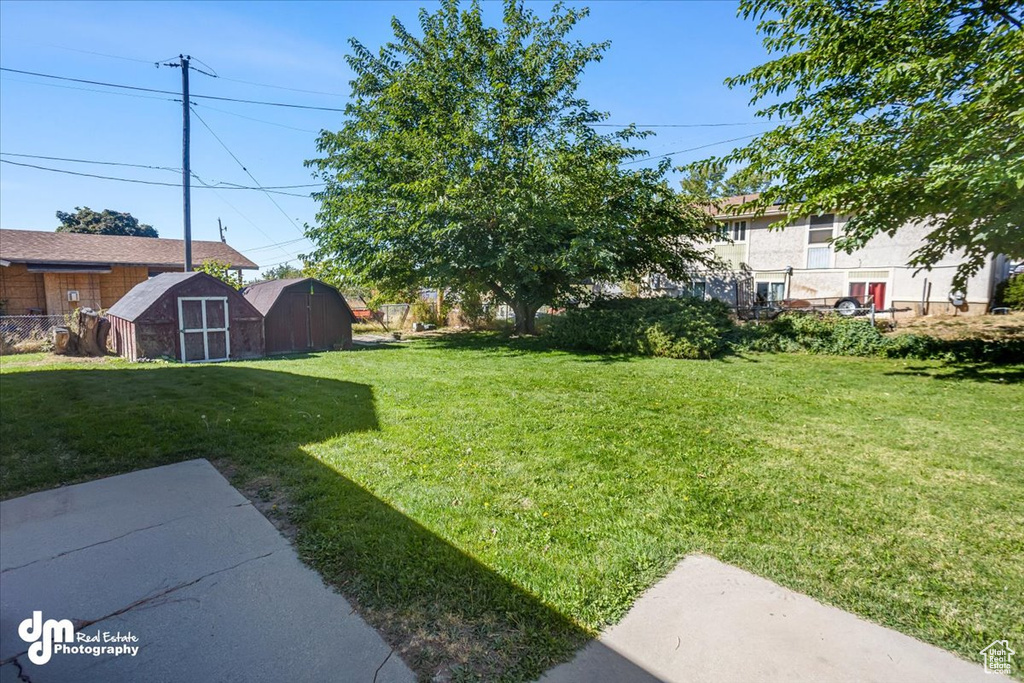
(858, 291)
(877, 292)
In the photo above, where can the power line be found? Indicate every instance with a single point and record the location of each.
(104, 92)
(87, 161)
(292, 105)
(138, 181)
(244, 216)
(90, 175)
(281, 87)
(678, 125)
(249, 118)
(223, 78)
(170, 92)
(277, 244)
(237, 161)
(103, 54)
(691, 149)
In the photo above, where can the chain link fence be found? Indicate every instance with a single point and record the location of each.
(23, 333)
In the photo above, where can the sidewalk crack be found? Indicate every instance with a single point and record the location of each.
(377, 672)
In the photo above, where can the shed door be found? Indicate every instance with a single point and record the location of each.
(204, 328)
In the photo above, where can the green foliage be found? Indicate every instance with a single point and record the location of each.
(282, 272)
(474, 312)
(467, 159)
(895, 112)
(840, 336)
(107, 223)
(222, 271)
(669, 327)
(1011, 292)
(703, 181)
(426, 312)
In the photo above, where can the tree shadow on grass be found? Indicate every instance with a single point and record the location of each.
(504, 344)
(447, 615)
(975, 372)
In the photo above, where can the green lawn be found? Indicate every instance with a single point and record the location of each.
(488, 506)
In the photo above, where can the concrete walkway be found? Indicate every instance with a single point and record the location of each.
(709, 621)
(177, 557)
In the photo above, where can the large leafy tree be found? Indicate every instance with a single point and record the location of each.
(703, 181)
(468, 161)
(107, 223)
(895, 111)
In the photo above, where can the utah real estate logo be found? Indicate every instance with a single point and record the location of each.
(997, 657)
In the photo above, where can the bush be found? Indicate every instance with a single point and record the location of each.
(1010, 292)
(835, 335)
(674, 328)
(474, 312)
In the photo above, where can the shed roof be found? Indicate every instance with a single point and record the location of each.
(143, 295)
(37, 246)
(263, 295)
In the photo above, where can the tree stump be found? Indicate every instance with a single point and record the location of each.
(62, 341)
(103, 334)
(88, 333)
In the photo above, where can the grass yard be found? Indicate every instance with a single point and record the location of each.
(489, 506)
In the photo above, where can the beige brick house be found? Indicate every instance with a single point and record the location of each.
(55, 272)
(799, 262)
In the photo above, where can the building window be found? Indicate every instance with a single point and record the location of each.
(769, 292)
(732, 230)
(696, 289)
(819, 239)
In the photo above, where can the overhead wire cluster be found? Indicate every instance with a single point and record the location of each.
(200, 100)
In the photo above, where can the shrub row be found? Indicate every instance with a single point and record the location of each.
(692, 328)
(670, 327)
(836, 335)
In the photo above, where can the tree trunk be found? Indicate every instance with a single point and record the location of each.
(526, 317)
(88, 329)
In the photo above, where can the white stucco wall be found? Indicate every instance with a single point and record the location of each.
(883, 259)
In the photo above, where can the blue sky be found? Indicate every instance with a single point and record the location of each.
(666, 65)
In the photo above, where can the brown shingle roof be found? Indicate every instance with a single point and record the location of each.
(722, 205)
(36, 246)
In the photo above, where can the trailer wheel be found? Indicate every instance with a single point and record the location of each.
(847, 307)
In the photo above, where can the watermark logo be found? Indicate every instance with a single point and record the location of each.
(998, 657)
(43, 634)
(58, 636)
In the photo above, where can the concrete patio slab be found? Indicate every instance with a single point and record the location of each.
(709, 621)
(178, 558)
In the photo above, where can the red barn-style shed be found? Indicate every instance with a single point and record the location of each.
(189, 316)
(301, 314)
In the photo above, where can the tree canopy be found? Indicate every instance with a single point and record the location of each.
(283, 271)
(468, 161)
(711, 181)
(107, 223)
(895, 112)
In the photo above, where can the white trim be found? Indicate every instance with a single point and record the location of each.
(182, 330)
(827, 245)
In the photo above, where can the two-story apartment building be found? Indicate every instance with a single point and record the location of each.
(799, 262)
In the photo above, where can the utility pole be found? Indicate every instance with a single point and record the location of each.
(186, 184)
(222, 229)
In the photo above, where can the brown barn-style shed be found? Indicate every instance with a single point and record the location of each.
(302, 314)
(188, 316)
